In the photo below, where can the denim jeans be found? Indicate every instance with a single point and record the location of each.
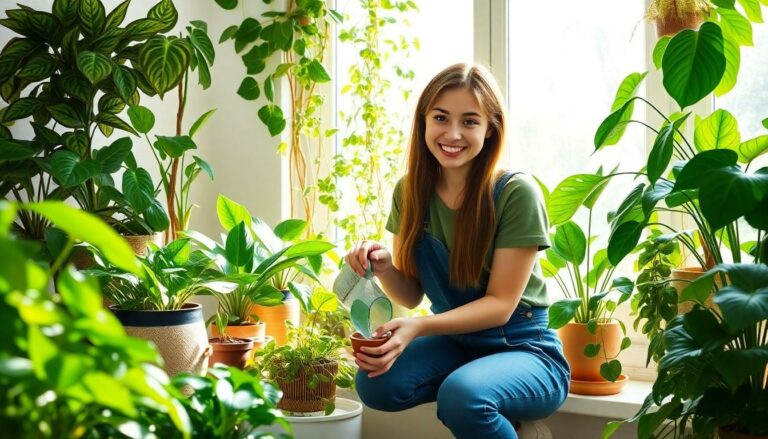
(481, 381)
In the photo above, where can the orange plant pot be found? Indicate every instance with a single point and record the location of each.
(672, 25)
(252, 331)
(359, 341)
(276, 316)
(576, 337)
(680, 278)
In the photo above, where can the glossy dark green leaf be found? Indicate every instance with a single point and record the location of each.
(238, 248)
(591, 350)
(163, 61)
(124, 81)
(77, 142)
(115, 122)
(109, 103)
(143, 28)
(758, 217)
(77, 86)
(201, 42)
(728, 193)
(694, 63)
(21, 108)
(269, 88)
(38, 68)
(611, 370)
(65, 10)
(228, 33)
(227, 4)
(175, 146)
(142, 118)
(116, 16)
(205, 166)
(113, 156)
(66, 115)
(623, 240)
(156, 217)
(164, 12)
(138, 188)
(17, 149)
(662, 150)
(653, 194)
(737, 366)
(249, 31)
(744, 303)
(562, 312)
(317, 72)
(92, 16)
(70, 171)
(272, 116)
(253, 61)
(249, 89)
(694, 172)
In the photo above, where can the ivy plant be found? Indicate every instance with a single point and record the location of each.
(73, 70)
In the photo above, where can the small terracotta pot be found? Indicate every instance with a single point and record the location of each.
(359, 341)
(250, 331)
(680, 278)
(576, 337)
(235, 353)
(725, 433)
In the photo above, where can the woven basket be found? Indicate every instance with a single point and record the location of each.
(299, 398)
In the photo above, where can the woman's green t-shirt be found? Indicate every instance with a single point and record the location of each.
(521, 221)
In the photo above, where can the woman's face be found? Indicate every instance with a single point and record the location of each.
(456, 128)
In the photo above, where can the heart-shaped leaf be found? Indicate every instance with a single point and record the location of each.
(112, 156)
(164, 61)
(138, 188)
(566, 198)
(124, 81)
(175, 146)
(239, 246)
(694, 63)
(95, 66)
(142, 118)
(70, 171)
(719, 130)
(570, 242)
(360, 316)
(380, 312)
(562, 312)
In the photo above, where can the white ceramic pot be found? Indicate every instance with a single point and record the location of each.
(346, 422)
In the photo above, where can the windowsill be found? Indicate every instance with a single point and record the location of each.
(620, 406)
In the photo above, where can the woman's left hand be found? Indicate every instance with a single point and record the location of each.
(403, 330)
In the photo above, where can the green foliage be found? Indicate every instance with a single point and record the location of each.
(261, 261)
(53, 72)
(366, 318)
(591, 293)
(308, 345)
(655, 302)
(364, 171)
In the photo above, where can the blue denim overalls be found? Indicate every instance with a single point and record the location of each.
(482, 380)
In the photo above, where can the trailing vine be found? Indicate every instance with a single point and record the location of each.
(370, 157)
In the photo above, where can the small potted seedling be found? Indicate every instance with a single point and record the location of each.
(229, 350)
(366, 318)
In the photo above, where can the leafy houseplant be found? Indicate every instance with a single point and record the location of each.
(310, 367)
(259, 260)
(298, 35)
(231, 351)
(593, 340)
(71, 64)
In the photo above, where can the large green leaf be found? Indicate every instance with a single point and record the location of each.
(164, 12)
(658, 50)
(662, 150)
(92, 17)
(758, 218)
(231, 213)
(249, 89)
(308, 248)
(142, 118)
(694, 172)
(612, 128)
(317, 72)
(728, 193)
(566, 198)
(38, 68)
(654, 193)
(164, 61)
(736, 366)
(248, 32)
(22, 108)
(66, 115)
(719, 130)
(360, 316)
(562, 312)
(570, 242)
(109, 103)
(115, 122)
(227, 4)
(88, 228)
(290, 229)
(732, 62)
(239, 246)
(113, 156)
(693, 64)
(156, 217)
(200, 122)
(77, 86)
(591, 200)
(735, 27)
(70, 171)
(17, 149)
(623, 240)
(116, 17)
(138, 188)
(124, 81)
(272, 116)
(753, 10)
(201, 42)
(175, 146)
(752, 148)
(745, 301)
(142, 29)
(65, 10)
(95, 66)
(624, 101)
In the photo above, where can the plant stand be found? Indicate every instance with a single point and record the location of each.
(345, 422)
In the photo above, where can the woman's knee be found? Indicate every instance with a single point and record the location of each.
(383, 393)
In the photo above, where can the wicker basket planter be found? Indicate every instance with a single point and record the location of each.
(298, 397)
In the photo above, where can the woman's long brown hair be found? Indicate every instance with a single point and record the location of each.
(475, 220)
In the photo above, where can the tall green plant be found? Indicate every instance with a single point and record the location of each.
(372, 147)
(73, 70)
(298, 36)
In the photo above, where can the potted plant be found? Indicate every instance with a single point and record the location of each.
(672, 16)
(265, 262)
(310, 367)
(155, 303)
(592, 338)
(232, 351)
(68, 70)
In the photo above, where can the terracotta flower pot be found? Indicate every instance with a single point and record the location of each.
(680, 278)
(298, 397)
(359, 341)
(575, 338)
(250, 331)
(233, 352)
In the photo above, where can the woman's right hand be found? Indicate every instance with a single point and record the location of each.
(380, 258)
